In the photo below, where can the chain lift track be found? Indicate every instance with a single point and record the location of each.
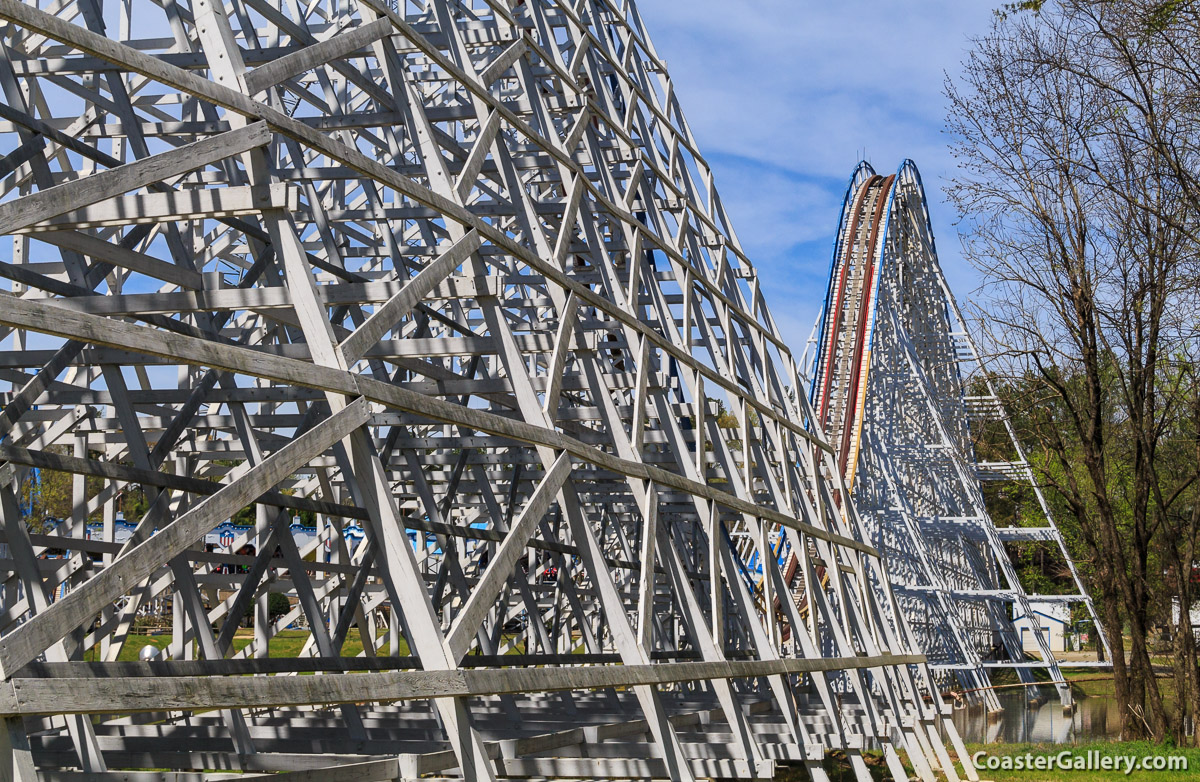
(889, 385)
(449, 281)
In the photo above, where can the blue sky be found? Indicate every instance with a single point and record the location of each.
(785, 97)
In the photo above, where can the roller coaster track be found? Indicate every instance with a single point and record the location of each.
(890, 384)
(842, 380)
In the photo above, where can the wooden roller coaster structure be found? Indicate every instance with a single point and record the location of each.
(453, 276)
(898, 387)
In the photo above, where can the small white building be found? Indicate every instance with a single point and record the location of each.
(1193, 614)
(1052, 618)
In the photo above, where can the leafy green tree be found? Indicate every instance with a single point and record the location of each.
(1077, 132)
(277, 605)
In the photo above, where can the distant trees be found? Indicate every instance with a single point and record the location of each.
(1076, 126)
(48, 495)
(45, 495)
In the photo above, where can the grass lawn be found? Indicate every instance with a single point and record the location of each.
(1086, 682)
(287, 643)
(1105, 749)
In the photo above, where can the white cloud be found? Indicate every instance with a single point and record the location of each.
(776, 209)
(785, 97)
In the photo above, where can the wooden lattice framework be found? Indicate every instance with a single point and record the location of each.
(454, 273)
(899, 387)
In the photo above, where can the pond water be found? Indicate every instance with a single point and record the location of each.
(1093, 718)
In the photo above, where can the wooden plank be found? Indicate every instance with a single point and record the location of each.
(16, 758)
(95, 696)
(129, 57)
(23, 399)
(274, 665)
(479, 152)
(563, 342)
(173, 205)
(503, 62)
(648, 581)
(388, 314)
(500, 568)
(566, 229)
(627, 768)
(119, 472)
(48, 319)
(121, 256)
(575, 134)
(346, 42)
(21, 155)
(370, 771)
(276, 297)
(43, 205)
(30, 639)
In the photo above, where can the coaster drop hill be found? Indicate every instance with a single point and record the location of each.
(897, 385)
